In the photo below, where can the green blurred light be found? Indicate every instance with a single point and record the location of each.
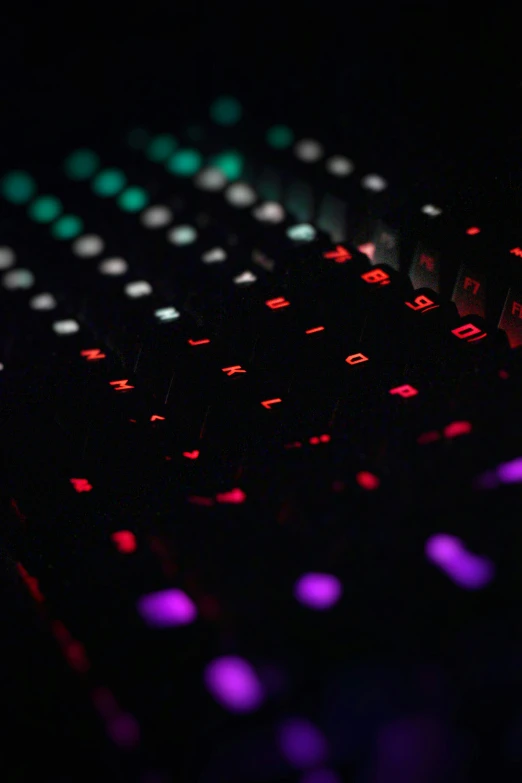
(230, 163)
(109, 182)
(133, 199)
(67, 227)
(226, 110)
(161, 147)
(303, 232)
(279, 137)
(137, 138)
(185, 162)
(45, 209)
(81, 164)
(18, 187)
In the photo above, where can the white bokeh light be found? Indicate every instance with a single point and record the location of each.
(7, 257)
(182, 235)
(302, 232)
(308, 150)
(18, 278)
(44, 301)
(67, 326)
(88, 246)
(374, 182)
(214, 256)
(211, 179)
(156, 216)
(138, 288)
(245, 278)
(240, 195)
(339, 166)
(113, 267)
(269, 212)
(431, 210)
(166, 313)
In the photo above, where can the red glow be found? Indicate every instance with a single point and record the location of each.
(427, 261)
(315, 439)
(376, 276)
(16, 509)
(233, 496)
(503, 374)
(191, 454)
(232, 370)
(428, 437)
(81, 484)
(470, 283)
(198, 342)
(516, 307)
(480, 337)
(405, 390)
(325, 438)
(315, 329)
(268, 403)
(295, 445)
(197, 500)
(31, 583)
(472, 231)
(92, 354)
(340, 255)
(517, 251)
(72, 649)
(457, 428)
(275, 304)
(368, 248)
(121, 385)
(155, 417)
(421, 303)
(466, 331)
(367, 480)
(125, 541)
(356, 358)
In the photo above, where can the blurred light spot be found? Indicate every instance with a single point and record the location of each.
(339, 166)
(245, 278)
(124, 730)
(113, 266)
(44, 209)
(211, 179)
(7, 257)
(318, 591)
(157, 216)
(182, 235)
(166, 314)
(308, 150)
(88, 245)
(185, 162)
(230, 163)
(226, 110)
(18, 187)
(137, 289)
(431, 210)
(171, 607)
(466, 569)
(269, 212)
(125, 541)
(234, 684)
(133, 199)
(367, 480)
(160, 147)
(81, 164)
(18, 278)
(67, 326)
(43, 301)
(472, 231)
(301, 743)
(109, 182)
(67, 227)
(233, 496)
(457, 428)
(240, 195)
(214, 256)
(279, 137)
(374, 182)
(303, 232)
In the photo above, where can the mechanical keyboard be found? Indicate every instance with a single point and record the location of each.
(262, 467)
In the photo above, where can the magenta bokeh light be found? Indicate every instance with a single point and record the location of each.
(464, 568)
(318, 591)
(234, 684)
(167, 608)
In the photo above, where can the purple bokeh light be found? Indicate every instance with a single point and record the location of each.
(167, 608)
(301, 743)
(464, 568)
(234, 684)
(510, 472)
(318, 591)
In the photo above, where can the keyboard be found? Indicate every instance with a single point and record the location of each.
(262, 466)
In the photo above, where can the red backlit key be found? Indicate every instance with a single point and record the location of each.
(469, 293)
